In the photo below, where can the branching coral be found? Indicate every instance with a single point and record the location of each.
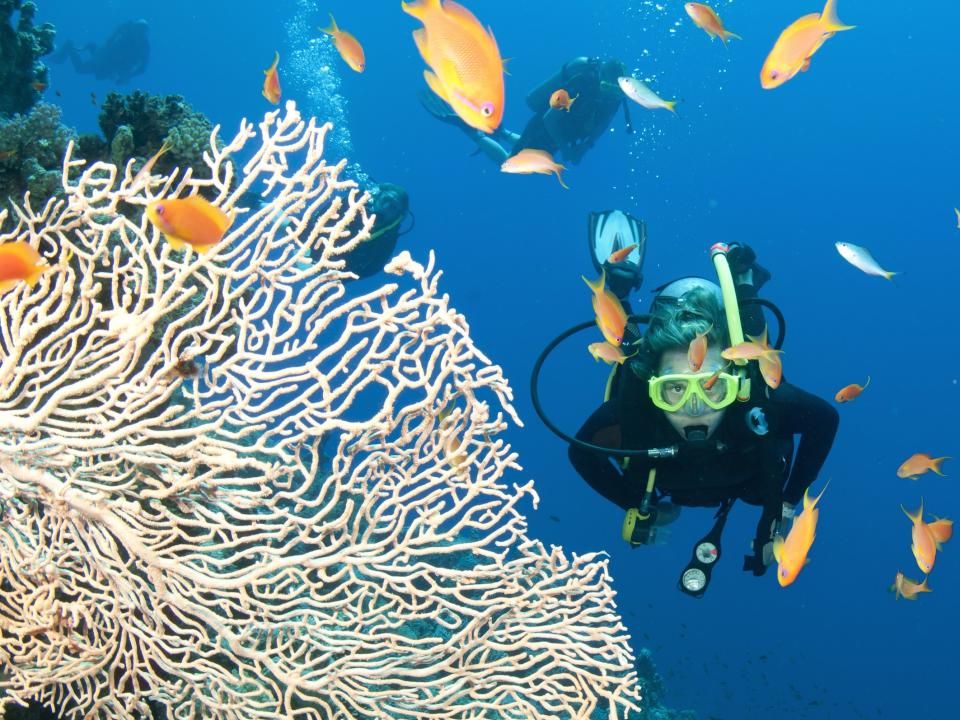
(297, 503)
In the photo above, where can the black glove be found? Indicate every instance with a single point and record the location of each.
(741, 258)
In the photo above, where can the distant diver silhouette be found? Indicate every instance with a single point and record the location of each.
(123, 56)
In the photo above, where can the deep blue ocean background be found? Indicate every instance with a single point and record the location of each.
(862, 148)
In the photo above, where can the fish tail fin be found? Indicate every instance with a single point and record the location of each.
(866, 384)
(35, 276)
(809, 504)
(671, 105)
(597, 285)
(276, 59)
(888, 274)
(830, 20)
(923, 587)
(935, 465)
(419, 8)
(333, 29)
(914, 517)
(560, 177)
(727, 35)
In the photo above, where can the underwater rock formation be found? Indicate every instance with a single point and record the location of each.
(21, 48)
(298, 503)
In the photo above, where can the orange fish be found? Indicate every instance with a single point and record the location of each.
(618, 256)
(189, 221)
(798, 43)
(347, 45)
(908, 589)
(712, 380)
(608, 353)
(851, 391)
(758, 348)
(466, 69)
(561, 100)
(697, 350)
(791, 554)
(611, 317)
(920, 463)
(927, 538)
(529, 161)
(39, 86)
(19, 262)
(743, 351)
(706, 18)
(271, 83)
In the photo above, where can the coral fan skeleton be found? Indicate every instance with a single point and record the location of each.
(226, 480)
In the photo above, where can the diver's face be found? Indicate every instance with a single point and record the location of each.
(694, 412)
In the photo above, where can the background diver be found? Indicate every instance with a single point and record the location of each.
(565, 134)
(122, 56)
(706, 449)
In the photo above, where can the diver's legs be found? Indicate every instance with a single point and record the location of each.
(487, 145)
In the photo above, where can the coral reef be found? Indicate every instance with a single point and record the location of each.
(21, 48)
(150, 120)
(134, 126)
(31, 153)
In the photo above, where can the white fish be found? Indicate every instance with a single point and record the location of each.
(642, 95)
(861, 259)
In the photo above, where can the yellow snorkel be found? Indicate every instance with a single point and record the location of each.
(718, 252)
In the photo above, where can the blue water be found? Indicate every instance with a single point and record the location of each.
(862, 148)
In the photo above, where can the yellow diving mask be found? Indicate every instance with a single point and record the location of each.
(715, 389)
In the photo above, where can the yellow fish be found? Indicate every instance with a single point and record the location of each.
(927, 537)
(347, 45)
(798, 43)
(610, 354)
(189, 221)
(529, 161)
(611, 317)
(791, 554)
(19, 262)
(706, 18)
(271, 83)
(466, 69)
(907, 589)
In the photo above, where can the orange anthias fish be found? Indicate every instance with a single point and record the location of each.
(791, 554)
(271, 83)
(768, 358)
(347, 45)
(706, 18)
(529, 161)
(561, 100)
(189, 221)
(920, 463)
(618, 256)
(908, 589)
(143, 173)
(466, 69)
(19, 262)
(608, 353)
(611, 317)
(927, 538)
(851, 391)
(798, 43)
(697, 350)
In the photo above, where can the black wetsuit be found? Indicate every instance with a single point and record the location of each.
(736, 463)
(570, 134)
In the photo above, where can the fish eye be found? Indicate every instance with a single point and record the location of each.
(159, 209)
(486, 109)
(774, 74)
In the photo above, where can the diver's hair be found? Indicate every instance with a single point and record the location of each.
(673, 325)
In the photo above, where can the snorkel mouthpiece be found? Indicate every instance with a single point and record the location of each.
(695, 433)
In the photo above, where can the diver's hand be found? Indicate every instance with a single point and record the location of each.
(744, 266)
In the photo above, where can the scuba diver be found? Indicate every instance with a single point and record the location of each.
(666, 437)
(123, 56)
(391, 205)
(566, 134)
